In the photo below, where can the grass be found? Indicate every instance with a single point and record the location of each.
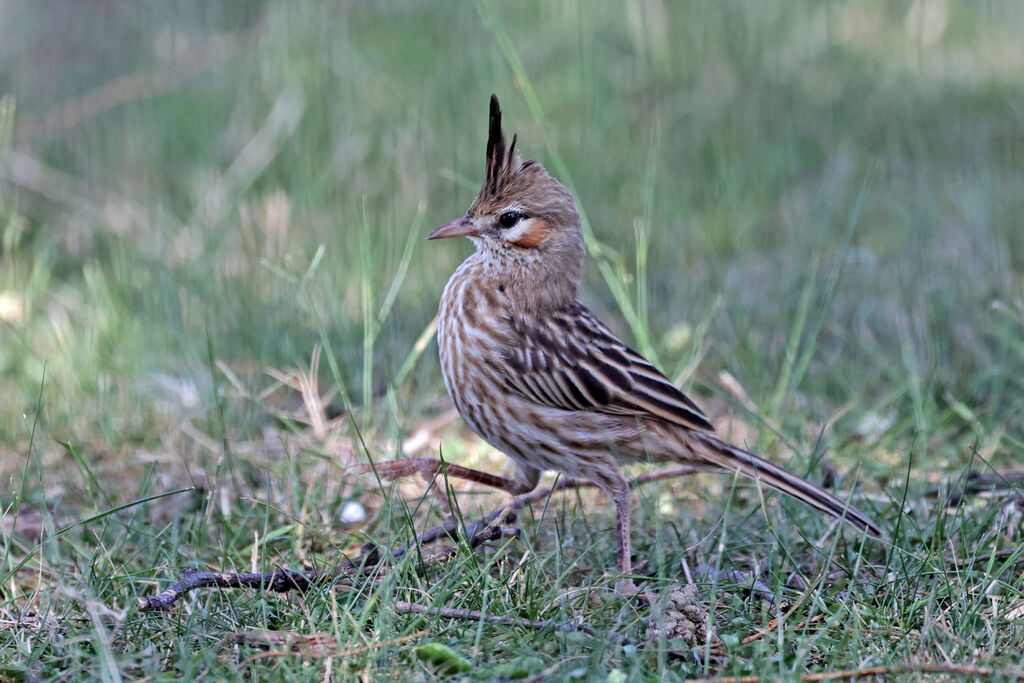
(214, 297)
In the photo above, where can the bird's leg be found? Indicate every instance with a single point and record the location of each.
(525, 480)
(622, 497)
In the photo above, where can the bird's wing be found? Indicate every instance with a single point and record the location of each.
(572, 361)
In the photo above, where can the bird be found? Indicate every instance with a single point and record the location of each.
(538, 376)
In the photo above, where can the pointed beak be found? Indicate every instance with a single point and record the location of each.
(460, 227)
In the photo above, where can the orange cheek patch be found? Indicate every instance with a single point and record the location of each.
(535, 235)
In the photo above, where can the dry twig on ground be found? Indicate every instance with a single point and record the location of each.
(478, 532)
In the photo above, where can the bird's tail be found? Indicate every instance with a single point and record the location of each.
(736, 459)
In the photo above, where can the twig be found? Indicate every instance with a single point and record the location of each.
(486, 528)
(285, 580)
(478, 531)
(757, 587)
(774, 623)
(962, 669)
(493, 530)
(279, 580)
(719, 651)
(1004, 484)
(1001, 554)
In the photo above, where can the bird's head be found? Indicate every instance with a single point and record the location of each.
(524, 222)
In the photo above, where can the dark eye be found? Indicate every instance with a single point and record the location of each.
(510, 218)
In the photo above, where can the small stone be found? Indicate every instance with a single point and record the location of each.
(352, 512)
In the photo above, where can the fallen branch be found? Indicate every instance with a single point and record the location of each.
(279, 581)
(478, 531)
(1002, 486)
(756, 587)
(285, 580)
(485, 529)
(775, 623)
(717, 651)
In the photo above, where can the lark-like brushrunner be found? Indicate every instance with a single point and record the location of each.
(539, 377)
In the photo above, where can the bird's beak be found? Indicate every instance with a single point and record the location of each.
(460, 227)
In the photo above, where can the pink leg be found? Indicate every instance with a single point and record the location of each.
(622, 498)
(621, 493)
(525, 481)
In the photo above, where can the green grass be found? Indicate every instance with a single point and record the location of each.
(809, 213)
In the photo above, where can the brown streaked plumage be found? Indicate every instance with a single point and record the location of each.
(538, 376)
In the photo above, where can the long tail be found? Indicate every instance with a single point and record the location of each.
(736, 459)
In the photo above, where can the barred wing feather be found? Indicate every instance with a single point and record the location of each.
(572, 361)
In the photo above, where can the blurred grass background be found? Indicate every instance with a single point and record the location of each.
(822, 200)
(162, 155)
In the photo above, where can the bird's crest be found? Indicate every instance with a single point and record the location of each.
(502, 162)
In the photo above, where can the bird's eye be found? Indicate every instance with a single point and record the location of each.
(510, 218)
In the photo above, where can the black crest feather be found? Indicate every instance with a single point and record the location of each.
(500, 158)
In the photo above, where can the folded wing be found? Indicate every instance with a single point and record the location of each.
(570, 360)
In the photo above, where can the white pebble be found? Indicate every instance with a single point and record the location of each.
(352, 512)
